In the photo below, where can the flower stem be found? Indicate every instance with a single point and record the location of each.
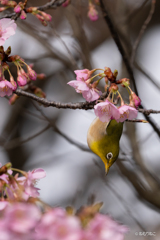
(18, 170)
(122, 102)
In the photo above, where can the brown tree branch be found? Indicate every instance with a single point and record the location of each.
(80, 105)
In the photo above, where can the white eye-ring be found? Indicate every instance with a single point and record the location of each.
(109, 155)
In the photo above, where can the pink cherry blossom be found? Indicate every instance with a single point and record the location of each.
(4, 177)
(3, 204)
(29, 181)
(127, 112)
(102, 227)
(92, 94)
(88, 92)
(79, 86)
(106, 111)
(21, 217)
(83, 75)
(92, 13)
(56, 224)
(7, 29)
(6, 88)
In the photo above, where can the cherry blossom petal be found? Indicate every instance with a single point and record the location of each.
(79, 86)
(7, 29)
(38, 173)
(22, 217)
(127, 112)
(91, 95)
(6, 88)
(106, 111)
(82, 75)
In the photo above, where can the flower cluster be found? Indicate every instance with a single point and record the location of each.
(24, 220)
(24, 216)
(106, 110)
(83, 85)
(21, 9)
(19, 188)
(7, 29)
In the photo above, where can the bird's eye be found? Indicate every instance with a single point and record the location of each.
(109, 155)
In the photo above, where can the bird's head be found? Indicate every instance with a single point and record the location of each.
(103, 140)
(107, 150)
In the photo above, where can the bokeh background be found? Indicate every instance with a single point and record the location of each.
(33, 136)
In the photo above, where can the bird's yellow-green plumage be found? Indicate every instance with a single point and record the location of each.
(103, 139)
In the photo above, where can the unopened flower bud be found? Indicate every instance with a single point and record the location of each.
(46, 16)
(135, 101)
(17, 9)
(22, 78)
(92, 13)
(31, 73)
(23, 15)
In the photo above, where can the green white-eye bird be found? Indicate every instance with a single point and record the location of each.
(103, 139)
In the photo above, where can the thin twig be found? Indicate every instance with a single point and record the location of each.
(17, 142)
(52, 4)
(119, 44)
(143, 28)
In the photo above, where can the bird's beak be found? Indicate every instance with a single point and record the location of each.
(106, 168)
